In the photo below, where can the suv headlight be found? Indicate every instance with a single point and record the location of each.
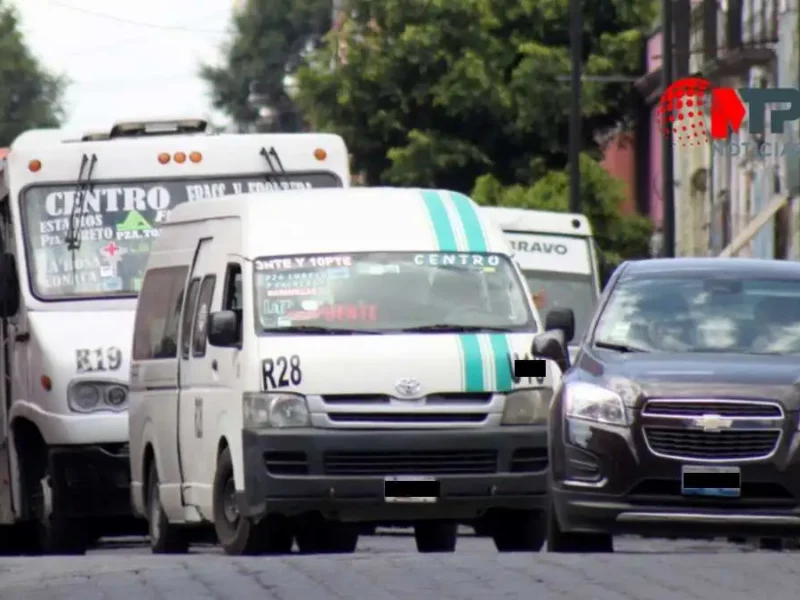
(527, 407)
(275, 410)
(591, 402)
(94, 396)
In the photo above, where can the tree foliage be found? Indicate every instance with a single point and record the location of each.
(30, 96)
(268, 41)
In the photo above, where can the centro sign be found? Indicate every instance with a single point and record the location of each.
(689, 104)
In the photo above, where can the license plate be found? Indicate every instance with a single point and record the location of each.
(411, 489)
(717, 482)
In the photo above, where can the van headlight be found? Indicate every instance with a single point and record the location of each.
(590, 402)
(527, 407)
(95, 396)
(273, 410)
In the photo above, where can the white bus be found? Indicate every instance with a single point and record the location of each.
(557, 255)
(77, 219)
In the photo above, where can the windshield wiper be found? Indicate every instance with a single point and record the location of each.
(454, 328)
(269, 155)
(318, 329)
(619, 347)
(82, 186)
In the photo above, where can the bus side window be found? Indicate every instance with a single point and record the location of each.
(232, 299)
(159, 296)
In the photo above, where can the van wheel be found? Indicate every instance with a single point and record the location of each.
(566, 542)
(519, 530)
(165, 538)
(436, 536)
(57, 533)
(18, 539)
(316, 535)
(239, 535)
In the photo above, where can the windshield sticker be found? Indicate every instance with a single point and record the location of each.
(366, 313)
(303, 262)
(90, 360)
(293, 292)
(457, 260)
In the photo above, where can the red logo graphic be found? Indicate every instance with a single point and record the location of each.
(686, 103)
(111, 249)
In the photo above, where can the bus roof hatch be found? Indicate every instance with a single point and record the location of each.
(158, 127)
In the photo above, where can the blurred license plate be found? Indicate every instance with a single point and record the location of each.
(718, 482)
(411, 489)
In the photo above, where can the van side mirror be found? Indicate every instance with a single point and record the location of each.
(561, 319)
(9, 286)
(551, 345)
(223, 329)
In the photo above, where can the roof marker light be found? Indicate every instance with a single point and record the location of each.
(180, 157)
(35, 166)
(195, 157)
(320, 154)
(163, 158)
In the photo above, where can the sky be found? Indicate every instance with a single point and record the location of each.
(127, 61)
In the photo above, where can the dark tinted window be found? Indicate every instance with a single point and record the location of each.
(188, 314)
(155, 332)
(200, 333)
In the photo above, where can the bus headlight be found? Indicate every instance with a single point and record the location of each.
(527, 407)
(261, 411)
(95, 396)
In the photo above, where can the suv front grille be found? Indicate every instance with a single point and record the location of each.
(682, 443)
(724, 408)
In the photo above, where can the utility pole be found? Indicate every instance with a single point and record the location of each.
(575, 117)
(667, 184)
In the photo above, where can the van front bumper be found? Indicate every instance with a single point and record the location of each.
(342, 474)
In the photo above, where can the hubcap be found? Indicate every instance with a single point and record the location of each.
(229, 507)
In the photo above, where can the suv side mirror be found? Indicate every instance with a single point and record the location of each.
(9, 286)
(223, 329)
(561, 319)
(551, 345)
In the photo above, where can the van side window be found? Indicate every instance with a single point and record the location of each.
(188, 314)
(200, 333)
(168, 348)
(158, 299)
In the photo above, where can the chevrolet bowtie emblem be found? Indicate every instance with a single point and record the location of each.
(712, 423)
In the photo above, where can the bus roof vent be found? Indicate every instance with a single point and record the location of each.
(158, 127)
(96, 136)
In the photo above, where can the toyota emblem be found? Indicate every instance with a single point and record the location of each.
(408, 387)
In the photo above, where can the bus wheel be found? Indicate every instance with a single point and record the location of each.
(239, 535)
(316, 535)
(165, 538)
(58, 533)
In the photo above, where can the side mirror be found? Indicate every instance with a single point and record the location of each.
(223, 329)
(561, 319)
(9, 286)
(551, 345)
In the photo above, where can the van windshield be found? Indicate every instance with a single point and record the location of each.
(390, 291)
(117, 227)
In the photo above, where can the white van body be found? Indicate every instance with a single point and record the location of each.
(65, 357)
(558, 257)
(382, 403)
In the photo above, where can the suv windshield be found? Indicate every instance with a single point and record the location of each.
(390, 291)
(702, 312)
(117, 228)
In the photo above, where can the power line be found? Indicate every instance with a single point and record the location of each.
(127, 21)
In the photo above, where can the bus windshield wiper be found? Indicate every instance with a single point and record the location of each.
(82, 186)
(453, 328)
(317, 329)
(275, 168)
(619, 347)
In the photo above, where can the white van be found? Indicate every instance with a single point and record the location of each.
(557, 255)
(307, 363)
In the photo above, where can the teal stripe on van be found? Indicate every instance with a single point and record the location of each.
(445, 236)
(476, 240)
(473, 363)
(502, 361)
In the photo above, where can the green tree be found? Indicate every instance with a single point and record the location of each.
(30, 96)
(602, 195)
(268, 41)
(437, 92)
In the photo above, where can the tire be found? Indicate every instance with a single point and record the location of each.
(18, 539)
(567, 542)
(519, 530)
(56, 532)
(770, 543)
(316, 535)
(165, 538)
(238, 535)
(436, 536)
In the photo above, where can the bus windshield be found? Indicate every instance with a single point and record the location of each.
(117, 226)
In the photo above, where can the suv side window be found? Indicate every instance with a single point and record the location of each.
(200, 333)
(162, 292)
(188, 315)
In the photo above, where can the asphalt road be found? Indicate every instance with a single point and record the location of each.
(387, 567)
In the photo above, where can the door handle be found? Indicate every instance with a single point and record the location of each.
(214, 365)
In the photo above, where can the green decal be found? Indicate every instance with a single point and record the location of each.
(502, 362)
(440, 221)
(134, 222)
(476, 241)
(473, 363)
